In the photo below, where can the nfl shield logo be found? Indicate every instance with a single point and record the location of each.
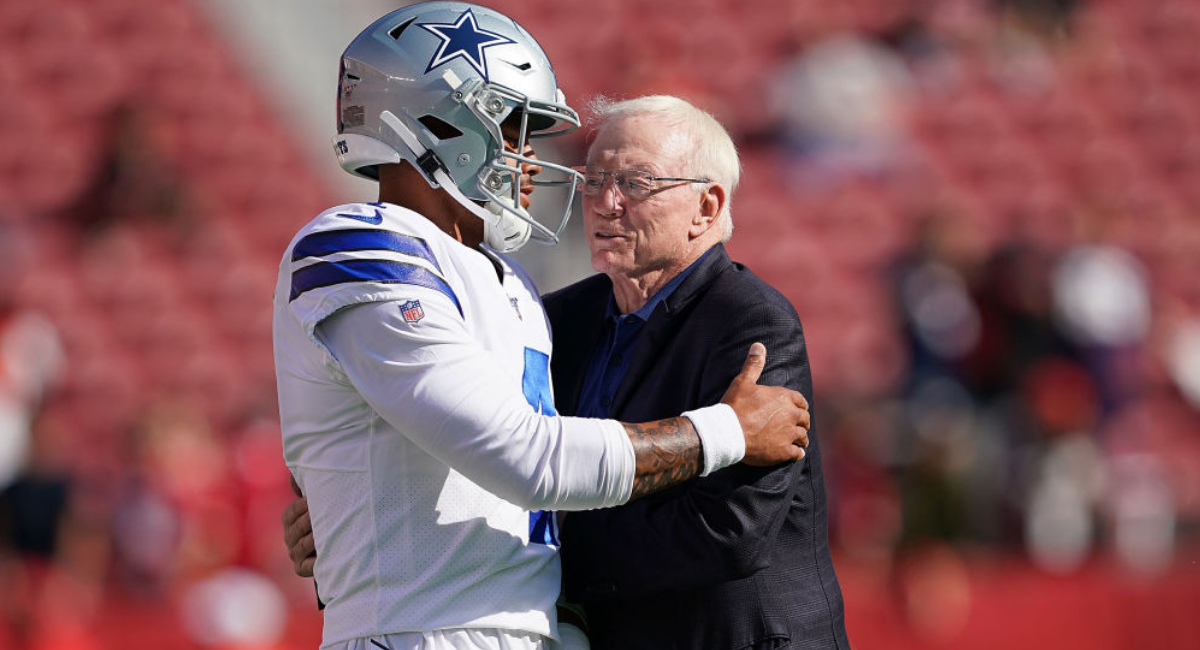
(412, 311)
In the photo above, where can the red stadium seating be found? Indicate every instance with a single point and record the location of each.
(157, 239)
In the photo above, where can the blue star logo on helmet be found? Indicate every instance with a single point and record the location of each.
(463, 40)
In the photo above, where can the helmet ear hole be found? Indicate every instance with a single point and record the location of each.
(441, 129)
(396, 31)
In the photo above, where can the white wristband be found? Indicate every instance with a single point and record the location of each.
(721, 437)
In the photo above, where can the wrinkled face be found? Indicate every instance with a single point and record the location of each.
(631, 237)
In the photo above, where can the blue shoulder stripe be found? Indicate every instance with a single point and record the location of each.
(337, 241)
(327, 274)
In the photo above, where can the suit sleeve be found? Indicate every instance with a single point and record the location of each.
(715, 529)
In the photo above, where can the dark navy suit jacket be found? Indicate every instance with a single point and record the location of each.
(736, 560)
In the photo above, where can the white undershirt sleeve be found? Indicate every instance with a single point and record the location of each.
(438, 387)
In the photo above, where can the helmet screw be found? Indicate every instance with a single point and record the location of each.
(458, 95)
(495, 105)
(463, 158)
(494, 181)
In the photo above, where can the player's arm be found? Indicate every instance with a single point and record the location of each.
(453, 400)
(721, 527)
(665, 454)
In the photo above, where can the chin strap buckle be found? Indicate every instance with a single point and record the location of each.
(429, 163)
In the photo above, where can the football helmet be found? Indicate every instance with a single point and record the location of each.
(431, 84)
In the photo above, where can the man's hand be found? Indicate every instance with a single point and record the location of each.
(774, 420)
(298, 534)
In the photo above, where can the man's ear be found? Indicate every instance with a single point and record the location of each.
(712, 201)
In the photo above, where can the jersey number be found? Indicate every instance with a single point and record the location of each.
(543, 527)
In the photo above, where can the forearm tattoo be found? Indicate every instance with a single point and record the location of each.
(667, 452)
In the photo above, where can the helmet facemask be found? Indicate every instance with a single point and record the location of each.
(402, 99)
(500, 180)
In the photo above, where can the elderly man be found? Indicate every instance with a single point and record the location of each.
(740, 558)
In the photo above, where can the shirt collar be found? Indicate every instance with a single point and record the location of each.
(644, 312)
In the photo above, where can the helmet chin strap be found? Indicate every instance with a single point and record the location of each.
(501, 231)
(504, 233)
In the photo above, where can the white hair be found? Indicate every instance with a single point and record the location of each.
(714, 155)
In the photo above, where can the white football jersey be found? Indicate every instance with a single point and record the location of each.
(417, 416)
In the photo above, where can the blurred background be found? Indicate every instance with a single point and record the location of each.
(987, 213)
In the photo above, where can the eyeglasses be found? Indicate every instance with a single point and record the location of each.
(633, 183)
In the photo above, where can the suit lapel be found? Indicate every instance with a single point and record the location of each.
(663, 323)
(575, 342)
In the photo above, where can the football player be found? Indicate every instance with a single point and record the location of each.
(412, 356)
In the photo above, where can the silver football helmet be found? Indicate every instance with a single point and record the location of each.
(431, 84)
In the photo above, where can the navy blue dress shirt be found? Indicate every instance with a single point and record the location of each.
(610, 359)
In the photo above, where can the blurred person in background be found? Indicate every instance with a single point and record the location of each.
(742, 555)
(32, 359)
(52, 577)
(412, 357)
(1020, 360)
(840, 105)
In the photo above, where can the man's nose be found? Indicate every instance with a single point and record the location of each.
(531, 167)
(609, 201)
